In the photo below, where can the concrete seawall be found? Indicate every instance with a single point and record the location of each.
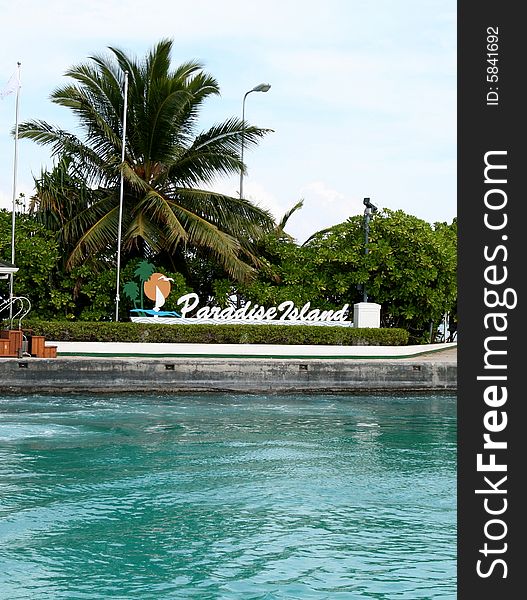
(432, 372)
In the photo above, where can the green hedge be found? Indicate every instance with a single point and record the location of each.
(61, 331)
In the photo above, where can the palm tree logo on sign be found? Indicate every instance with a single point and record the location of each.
(154, 285)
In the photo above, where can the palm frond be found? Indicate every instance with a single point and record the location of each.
(213, 153)
(160, 211)
(287, 215)
(100, 236)
(238, 216)
(167, 163)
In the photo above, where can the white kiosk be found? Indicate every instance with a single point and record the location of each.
(366, 314)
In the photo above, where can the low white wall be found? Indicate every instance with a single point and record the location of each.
(260, 350)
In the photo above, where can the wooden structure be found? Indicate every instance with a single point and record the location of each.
(16, 343)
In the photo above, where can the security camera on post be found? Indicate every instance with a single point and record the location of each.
(367, 314)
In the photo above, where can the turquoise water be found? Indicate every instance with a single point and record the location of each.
(228, 497)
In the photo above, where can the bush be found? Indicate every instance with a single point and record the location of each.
(216, 334)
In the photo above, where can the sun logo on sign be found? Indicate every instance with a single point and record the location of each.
(155, 286)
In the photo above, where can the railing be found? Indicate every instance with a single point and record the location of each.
(16, 308)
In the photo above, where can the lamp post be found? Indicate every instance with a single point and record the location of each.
(262, 87)
(121, 192)
(368, 211)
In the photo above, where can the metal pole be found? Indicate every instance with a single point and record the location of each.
(370, 208)
(262, 87)
(13, 213)
(243, 137)
(366, 236)
(121, 196)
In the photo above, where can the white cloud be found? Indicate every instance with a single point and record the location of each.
(323, 207)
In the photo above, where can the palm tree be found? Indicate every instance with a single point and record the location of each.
(143, 271)
(131, 291)
(168, 168)
(60, 203)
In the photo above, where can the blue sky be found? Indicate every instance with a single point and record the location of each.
(362, 99)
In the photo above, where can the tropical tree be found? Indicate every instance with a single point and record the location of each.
(37, 255)
(169, 167)
(60, 204)
(410, 270)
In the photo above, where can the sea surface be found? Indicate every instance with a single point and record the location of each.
(228, 497)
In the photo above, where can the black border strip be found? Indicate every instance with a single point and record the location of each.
(491, 359)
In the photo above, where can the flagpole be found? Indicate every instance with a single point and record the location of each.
(13, 213)
(121, 194)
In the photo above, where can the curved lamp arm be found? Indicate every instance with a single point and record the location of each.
(262, 87)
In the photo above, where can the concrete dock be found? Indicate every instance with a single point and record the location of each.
(431, 369)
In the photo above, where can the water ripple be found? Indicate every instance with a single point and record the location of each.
(228, 497)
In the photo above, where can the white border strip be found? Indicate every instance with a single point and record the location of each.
(263, 350)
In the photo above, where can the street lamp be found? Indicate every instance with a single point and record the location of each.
(368, 211)
(262, 87)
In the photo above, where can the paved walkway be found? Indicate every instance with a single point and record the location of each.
(449, 355)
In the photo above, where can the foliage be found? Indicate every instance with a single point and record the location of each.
(36, 256)
(61, 203)
(218, 334)
(410, 269)
(168, 210)
(79, 294)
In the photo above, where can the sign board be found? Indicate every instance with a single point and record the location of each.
(157, 287)
(285, 313)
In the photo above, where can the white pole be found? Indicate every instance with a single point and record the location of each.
(13, 213)
(120, 225)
